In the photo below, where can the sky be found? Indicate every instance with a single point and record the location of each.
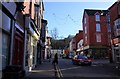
(66, 17)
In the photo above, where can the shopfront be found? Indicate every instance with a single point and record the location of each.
(5, 36)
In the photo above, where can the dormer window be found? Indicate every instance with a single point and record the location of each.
(97, 17)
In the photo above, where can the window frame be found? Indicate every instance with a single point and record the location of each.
(98, 38)
(98, 28)
(109, 28)
(97, 17)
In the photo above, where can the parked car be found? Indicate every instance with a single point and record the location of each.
(81, 60)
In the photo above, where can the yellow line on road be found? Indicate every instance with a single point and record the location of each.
(59, 70)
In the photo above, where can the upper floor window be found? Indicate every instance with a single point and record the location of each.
(117, 24)
(108, 18)
(98, 37)
(109, 28)
(85, 39)
(85, 29)
(97, 17)
(85, 20)
(119, 8)
(98, 27)
(73, 42)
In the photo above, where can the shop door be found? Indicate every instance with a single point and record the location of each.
(18, 51)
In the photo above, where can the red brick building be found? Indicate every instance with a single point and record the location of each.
(95, 32)
(78, 37)
(73, 45)
(114, 12)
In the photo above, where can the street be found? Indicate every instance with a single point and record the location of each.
(66, 70)
(96, 70)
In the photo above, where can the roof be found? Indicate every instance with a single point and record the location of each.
(113, 5)
(91, 12)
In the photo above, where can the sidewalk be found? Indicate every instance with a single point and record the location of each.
(100, 61)
(42, 71)
(105, 62)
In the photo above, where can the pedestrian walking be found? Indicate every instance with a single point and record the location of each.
(55, 60)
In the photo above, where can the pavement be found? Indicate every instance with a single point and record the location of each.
(102, 62)
(43, 71)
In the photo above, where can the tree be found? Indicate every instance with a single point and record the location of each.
(54, 33)
(60, 43)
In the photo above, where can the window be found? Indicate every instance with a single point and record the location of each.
(84, 20)
(85, 39)
(108, 18)
(117, 24)
(98, 27)
(98, 37)
(5, 49)
(85, 29)
(119, 8)
(73, 42)
(97, 17)
(109, 28)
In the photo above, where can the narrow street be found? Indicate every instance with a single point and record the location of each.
(100, 70)
(66, 70)
(42, 39)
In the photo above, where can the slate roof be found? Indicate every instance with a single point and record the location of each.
(91, 12)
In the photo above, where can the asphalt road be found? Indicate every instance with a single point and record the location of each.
(95, 71)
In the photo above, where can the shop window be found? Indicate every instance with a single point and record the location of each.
(5, 49)
(118, 59)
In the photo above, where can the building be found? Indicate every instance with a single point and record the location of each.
(7, 25)
(72, 45)
(114, 16)
(21, 30)
(33, 23)
(43, 39)
(79, 37)
(95, 32)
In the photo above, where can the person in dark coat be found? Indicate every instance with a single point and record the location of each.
(55, 60)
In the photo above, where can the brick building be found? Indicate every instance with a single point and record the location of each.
(95, 32)
(114, 12)
(21, 29)
(78, 37)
